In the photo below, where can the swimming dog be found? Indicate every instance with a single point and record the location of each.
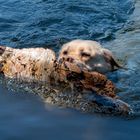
(40, 65)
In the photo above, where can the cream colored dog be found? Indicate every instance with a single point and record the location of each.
(89, 53)
(40, 65)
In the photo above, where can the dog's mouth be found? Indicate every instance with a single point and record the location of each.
(74, 61)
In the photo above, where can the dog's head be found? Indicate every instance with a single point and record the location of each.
(89, 53)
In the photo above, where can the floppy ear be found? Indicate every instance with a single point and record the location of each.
(110, 59)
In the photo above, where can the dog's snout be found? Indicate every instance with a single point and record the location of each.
(70, 59)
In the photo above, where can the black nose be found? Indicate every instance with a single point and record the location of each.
(70, 59)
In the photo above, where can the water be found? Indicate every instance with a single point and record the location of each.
(49, 23)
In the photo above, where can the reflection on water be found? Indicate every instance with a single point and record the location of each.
(51, 23)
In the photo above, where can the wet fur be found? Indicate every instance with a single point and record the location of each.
(91, 54)
(40, 65)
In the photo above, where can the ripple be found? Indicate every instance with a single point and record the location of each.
(127, 47)
(50, 21)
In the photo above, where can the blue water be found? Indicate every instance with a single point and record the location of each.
(50, 23)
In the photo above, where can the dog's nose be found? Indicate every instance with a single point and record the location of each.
(70, 59)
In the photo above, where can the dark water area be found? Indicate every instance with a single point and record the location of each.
(50, 23)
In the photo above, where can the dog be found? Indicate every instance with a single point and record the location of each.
(91, 54)
(40, 64)
(33, 65)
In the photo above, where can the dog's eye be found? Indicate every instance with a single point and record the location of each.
(84, 54)
(65, 52)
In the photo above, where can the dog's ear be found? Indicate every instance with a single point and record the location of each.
(110, 59)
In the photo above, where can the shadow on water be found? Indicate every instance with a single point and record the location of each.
(50, 23)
